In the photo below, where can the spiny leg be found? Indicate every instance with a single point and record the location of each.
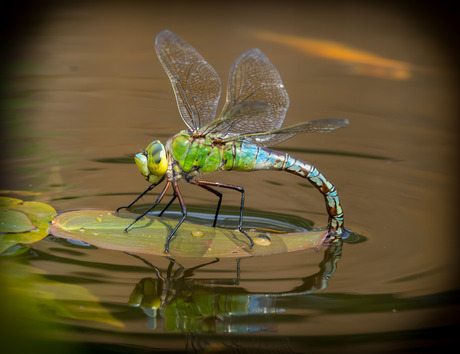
(169, 203)
(178, 271)
(233, 187)
(190, 272)
(149, 188)
(184, 214)
(157, 271)
(212, 190)
(160, 197)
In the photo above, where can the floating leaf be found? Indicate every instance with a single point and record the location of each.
(14, 221)
(105, 229)
(8, 240)
(6, 202)
(19, 193)
(39, 213)
(23, 222)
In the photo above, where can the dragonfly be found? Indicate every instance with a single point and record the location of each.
(236, 140)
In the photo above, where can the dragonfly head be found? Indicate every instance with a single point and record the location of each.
(152, 162)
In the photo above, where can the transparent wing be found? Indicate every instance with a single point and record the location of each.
(256, 96)
(195, 83)
(245, 116)
(277, 136)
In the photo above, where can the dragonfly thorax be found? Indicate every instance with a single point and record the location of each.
(152, 162)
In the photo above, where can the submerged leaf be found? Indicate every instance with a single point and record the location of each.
(55, 300)
(15, 250)
(105, 229)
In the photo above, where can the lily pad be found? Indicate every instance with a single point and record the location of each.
(6, 202)
(105, 229)
(19, 193)
(39, 213)
(14, 221)
(23, 222)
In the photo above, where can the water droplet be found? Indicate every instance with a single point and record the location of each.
(82, 229)
(197, 233)
(98, 218)
(262, 240)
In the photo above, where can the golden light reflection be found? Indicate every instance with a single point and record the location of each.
(361, 62)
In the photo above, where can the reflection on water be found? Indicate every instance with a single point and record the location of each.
(187, 304)
(363, 62)
(177, 300)
(86, 91)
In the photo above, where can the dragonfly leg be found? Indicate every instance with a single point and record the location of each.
(178, 271)
(184, 214)
(233, 187)
(167, 206)
(190, 272)
(160, 197)
(149, 188)
(212, 190)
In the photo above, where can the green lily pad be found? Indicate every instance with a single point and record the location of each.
(39, 213)
(6, 202)
(19, 193)
(9, 239)
(23, 222)
(105, 229)
(14, 221)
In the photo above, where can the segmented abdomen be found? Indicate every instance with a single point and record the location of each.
(267, 159)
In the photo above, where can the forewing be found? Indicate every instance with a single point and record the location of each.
(245, 116)
(255, 82)
(277, 136)
(195, 83)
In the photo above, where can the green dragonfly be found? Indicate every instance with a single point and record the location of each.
(237, 139)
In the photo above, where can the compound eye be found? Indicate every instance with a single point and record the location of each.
(157, 160)
(141, 162)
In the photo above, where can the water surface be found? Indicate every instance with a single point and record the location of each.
(85, 92)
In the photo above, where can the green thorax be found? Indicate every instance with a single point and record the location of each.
(205, 154)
